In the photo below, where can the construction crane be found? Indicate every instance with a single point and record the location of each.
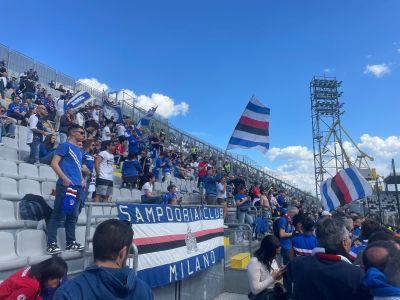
(362, 158)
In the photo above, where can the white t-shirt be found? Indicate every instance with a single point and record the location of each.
(60, 106)
(147, 186)
(106, 165)
(121, 130)
(106, 134)
(220, 187)
(96, 115)
(33, 120)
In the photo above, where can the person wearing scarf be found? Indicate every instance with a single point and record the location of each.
(328, 273)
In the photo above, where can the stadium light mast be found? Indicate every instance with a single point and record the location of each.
(326, 110)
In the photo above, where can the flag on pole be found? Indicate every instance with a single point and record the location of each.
(346, 186)
(252, 130)
(145, 121)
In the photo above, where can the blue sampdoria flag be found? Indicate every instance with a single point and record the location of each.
(112, 111)
(346, 186)
(252, 130)
(145, 121)
(77, 100)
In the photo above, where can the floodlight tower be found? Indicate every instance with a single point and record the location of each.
(326, 110)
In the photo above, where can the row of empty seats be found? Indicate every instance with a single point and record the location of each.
(26, 171)
(28, 247)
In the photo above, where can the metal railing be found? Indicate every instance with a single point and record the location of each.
(18, 63)
(132, 257)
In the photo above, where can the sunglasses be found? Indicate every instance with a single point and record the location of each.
(80, 132)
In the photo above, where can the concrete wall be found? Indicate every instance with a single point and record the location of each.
(205, 285)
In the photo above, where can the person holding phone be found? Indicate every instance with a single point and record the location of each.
(263, 271)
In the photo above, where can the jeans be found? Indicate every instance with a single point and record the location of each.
(7, 129)
(47, 159)
(34, 155)
(285, 253)
(59, 219)
(211, 200)
(245, 216)
(57, 120)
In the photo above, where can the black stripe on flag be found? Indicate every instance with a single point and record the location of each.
(337, 191)
(144, 249)
(253, 130)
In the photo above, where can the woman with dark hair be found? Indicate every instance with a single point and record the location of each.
(28, 283)
(263, 271)
(46, 149)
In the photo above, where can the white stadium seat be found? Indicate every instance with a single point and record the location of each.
(8, 259)
(32, 243)
(8, 153)
(136, 195)
(7, 216)
(116, 194)
(8, 189)
(126, 195)
(10, 143)
(8, 169)
(46, 172)
(28, 171)
(47, 187)
(28, 186)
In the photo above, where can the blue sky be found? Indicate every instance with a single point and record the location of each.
(214, 55)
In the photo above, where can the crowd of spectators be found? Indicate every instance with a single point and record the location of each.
(326, 256)
(343, 256)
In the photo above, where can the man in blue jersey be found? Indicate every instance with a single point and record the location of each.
(305, 242)
(67, 164)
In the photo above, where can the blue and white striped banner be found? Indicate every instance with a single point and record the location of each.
(346, 186)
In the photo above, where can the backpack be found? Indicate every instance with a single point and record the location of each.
(275, 227)
(33, 207)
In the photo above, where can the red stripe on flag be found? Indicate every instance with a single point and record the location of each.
(254, 123)
(343, 188)
(173, 237)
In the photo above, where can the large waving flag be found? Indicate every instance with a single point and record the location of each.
(145, 121)
(252, 130)
(77, 100)
(346, 186)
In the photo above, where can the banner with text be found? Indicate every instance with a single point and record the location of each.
(174, 242)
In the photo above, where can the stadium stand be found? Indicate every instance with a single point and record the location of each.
(24, 241)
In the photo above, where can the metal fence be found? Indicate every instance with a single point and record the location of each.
(18, 63)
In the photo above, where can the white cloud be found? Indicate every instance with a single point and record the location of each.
(166, 105)
(398, 50)
(297, 164)
(328, 70)
(94, 83)
(290, 152)
(377, 70)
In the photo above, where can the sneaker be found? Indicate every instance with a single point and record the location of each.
(53, 249)
(74, 246)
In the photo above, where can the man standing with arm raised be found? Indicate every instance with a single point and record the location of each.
(67, 163)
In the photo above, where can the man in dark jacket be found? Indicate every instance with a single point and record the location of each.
(328, 274)
(109, 278)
